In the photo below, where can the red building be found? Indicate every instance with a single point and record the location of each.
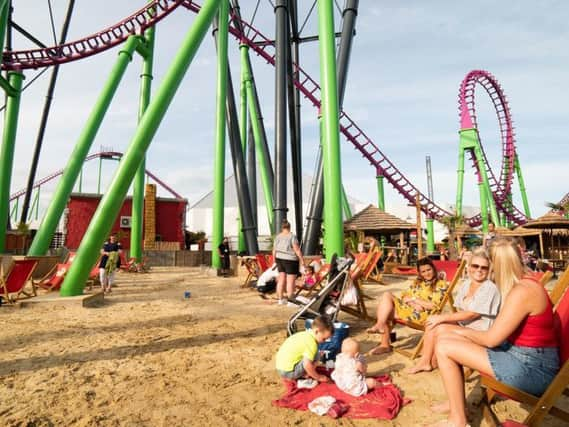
(170, 219)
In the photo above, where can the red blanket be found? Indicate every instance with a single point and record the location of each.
(383, 402)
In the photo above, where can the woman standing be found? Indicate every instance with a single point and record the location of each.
(414, 304)
(287, 254)
(521, 348)
(478, 302)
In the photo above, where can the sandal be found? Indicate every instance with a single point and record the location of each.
(374, 330)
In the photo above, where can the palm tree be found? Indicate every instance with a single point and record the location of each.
(452, 222)
(562, 207)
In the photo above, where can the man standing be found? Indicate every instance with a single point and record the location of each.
(110, 261)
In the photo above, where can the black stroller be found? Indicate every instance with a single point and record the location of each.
(327, 300)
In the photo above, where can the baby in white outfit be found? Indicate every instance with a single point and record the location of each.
(350, 369)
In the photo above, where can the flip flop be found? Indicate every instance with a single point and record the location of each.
(374, 330)
(377, 351)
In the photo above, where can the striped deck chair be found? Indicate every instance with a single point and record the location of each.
(447, 299)
(16, 278)
(321, 277)
(539, 406)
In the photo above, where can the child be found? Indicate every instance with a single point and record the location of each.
(296, 356)
(350, 369)
(309, 277)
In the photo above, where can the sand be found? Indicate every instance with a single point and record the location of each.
(149, 357)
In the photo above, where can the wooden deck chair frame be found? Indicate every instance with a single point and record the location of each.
(253, 270)
(321, 277)
(546, 277)
(414, 352)
(559, 287)
(540, 406)
(371, 272)
(357, 275)
(4, 281)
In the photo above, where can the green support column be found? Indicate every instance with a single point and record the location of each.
(4, 13)
(220, 129)
(37, 203)
(14, 211)
(111, 203)
(334, 235)
(242, 247)
(346, 204)
(55, 209)
(430, 236)
(483, 206)
(138, 187)
(380, 192)
(80, 189)
(518, 170)
(486, 185)
(460, 180)
(7, 151)
(262, 160)
(99, 174)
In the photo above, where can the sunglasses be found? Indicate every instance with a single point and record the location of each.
(480, 267)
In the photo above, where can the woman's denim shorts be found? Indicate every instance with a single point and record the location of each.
(530, 369)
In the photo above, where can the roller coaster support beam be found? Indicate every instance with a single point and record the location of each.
(266, 168)
(469, 141)
(281, 41)
(522, 186)
(238, 161)
(53, 214)
(111, 202)
(430, 236)
(15, 80)
(266, 172)
(380, 191)
(242, 127)
(294, 115)
(314, 215)
(4, 16)
(138, 188)
(45, 115)
(252, 175)
(346, 204)
(333, 224)
(220, 128)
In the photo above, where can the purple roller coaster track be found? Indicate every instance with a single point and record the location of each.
(263, 46)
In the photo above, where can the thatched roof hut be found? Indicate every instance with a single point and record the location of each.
(372, 220)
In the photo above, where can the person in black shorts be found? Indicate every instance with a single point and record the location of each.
(287, 255)
(223, 250)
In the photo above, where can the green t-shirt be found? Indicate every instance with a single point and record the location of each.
(302, 345)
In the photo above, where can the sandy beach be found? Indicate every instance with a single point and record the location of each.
(149, 357)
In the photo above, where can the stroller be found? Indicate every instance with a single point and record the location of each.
(327, 300)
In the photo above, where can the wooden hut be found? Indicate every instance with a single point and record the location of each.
(384, 227)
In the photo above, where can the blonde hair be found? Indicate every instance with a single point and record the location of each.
(507, 264)
(480, 253)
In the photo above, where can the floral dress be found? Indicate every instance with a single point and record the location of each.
(423, 290)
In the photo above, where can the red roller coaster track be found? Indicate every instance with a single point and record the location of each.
(263, 46)
(104, 155)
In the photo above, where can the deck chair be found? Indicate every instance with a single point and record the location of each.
(253, 270)
(327, 300)
(263, 261)
(16, 278)
(545, 404)
(447, 269)
(321, 276)
(559, 287)
(357, 276)
(371, 271)
(447, 299)
(53, 282)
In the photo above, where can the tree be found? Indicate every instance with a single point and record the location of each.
(561, 207)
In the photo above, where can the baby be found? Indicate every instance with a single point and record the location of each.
(350, 369)
(309, 277)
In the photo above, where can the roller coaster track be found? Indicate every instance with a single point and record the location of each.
(135, 24)
(103, 155)
(502, 186)
(264, 47)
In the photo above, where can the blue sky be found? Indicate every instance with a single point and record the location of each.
(407, 64)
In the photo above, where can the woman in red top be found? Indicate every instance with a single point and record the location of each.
(520, 349)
